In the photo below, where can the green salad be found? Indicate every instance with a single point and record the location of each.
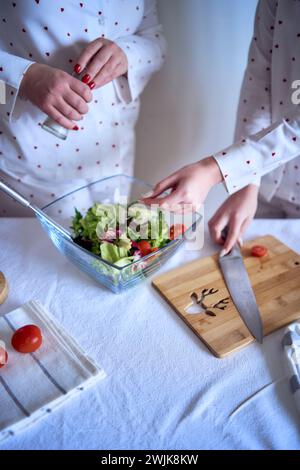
(121, 234)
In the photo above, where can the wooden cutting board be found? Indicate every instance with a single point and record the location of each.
(3, 288)
(275, 279)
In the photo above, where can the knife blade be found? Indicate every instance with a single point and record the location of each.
(241, 292)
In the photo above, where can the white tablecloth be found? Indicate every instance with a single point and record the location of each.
(164, 389)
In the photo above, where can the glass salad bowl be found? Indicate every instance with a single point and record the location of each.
(112, 190)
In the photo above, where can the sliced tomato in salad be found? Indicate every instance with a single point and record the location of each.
(176, 231)
(153, 257)
(259, 251)
(144, 247)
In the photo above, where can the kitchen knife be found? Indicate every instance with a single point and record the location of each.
(241, 292)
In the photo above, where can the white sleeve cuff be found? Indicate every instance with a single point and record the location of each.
(256, 180)
(123, 89)
(238, 167)
(260, 153)
(12, 72)
(145, 56)
(129, 88)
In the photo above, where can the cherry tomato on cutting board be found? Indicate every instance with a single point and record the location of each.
(259, 251)
(144, 247)
(3, 357)
(27, 339)
(176, 231)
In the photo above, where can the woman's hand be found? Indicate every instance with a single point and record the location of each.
(58, 94)
(102, 61)
(190, 186)
(237, 213)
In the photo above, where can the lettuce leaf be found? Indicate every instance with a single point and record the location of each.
(112, 253)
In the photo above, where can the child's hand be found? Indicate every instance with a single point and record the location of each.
(237, 213)
(58, 94)
(190, 186)
(101, 61)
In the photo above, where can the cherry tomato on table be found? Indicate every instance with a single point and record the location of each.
(27, 339)
(3, 357)
(259, 251)
(176, 231)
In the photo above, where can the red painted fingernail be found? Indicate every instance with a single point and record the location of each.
(77, 68)
(86, 78)
(75, 128)
(91, 85)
